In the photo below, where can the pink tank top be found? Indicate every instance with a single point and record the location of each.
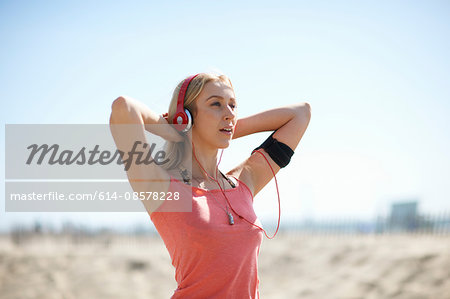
(212, 258)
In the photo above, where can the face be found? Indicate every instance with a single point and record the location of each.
(215, 119)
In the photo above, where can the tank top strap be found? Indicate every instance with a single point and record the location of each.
(232, 184)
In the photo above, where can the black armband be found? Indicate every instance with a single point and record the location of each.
(278, 151)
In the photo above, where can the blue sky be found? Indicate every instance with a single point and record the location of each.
(375, 73)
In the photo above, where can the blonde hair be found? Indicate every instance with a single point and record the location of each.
(175, 150)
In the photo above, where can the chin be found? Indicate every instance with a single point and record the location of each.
(224, 144)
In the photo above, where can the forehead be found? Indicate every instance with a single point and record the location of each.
(218, 88)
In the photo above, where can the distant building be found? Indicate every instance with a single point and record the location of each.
(404, 216)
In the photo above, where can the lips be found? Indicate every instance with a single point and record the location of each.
(227, 130)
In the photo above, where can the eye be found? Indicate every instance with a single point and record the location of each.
(216, 104)
(233, 106)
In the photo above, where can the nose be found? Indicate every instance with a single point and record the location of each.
(230, 113)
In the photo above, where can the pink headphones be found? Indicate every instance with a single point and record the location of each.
(182, 119)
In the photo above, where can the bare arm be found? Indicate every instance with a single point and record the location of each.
(127, 110)
(128, 121)
(290, 122)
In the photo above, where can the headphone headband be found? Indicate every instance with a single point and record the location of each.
(182, 118)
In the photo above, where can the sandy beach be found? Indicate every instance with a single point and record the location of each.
(290, 266)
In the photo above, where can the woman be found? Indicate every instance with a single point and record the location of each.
(215, 247)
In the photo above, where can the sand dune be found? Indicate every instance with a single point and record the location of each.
(299, 266)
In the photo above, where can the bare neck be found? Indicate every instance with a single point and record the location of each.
(203, 159)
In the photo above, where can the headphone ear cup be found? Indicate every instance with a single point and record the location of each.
(190, 120)
(182, 119)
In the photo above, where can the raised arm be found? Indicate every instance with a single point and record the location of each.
(290, 123)
(128, 121)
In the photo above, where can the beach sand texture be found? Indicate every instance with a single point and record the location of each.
(300, 266)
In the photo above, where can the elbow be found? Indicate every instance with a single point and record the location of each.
(303, 110)
(120, 110)
(119, 104)
(307, 108)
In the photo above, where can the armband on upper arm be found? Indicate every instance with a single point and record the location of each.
(278, 151)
